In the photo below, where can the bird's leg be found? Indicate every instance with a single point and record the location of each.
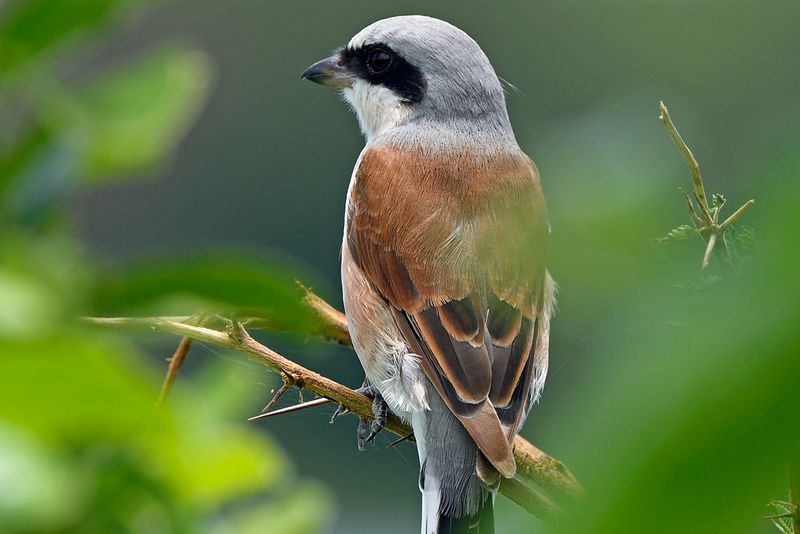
(380, 412)
(367, 430)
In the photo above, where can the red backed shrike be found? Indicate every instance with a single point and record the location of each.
(443, 258)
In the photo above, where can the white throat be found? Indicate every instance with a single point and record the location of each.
(378, 108)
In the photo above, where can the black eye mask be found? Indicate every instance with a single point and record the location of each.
(380, 65)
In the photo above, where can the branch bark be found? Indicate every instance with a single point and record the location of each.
(548, 474)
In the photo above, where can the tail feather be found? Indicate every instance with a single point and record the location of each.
(437, 520)
(455, 500)
(482, 522)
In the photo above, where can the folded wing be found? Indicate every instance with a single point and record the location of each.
(457, 248)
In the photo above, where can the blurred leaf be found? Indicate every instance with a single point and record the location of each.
(38, 490)
(231, 385)
(61, 386)
(129, 120)
(31, 27)
(235, 462)
(27, 307)
(717, 200)
(16, 158)
(303, 511)
(42, 282)
(43, 183)
(247, 285)
(237, 459)
(127, 492)
(128, 463)
(83, 446)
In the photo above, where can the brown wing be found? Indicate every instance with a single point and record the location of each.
(457, 248)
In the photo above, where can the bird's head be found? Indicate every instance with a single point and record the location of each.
(414, 69)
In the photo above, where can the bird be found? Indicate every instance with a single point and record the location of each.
(443, 260)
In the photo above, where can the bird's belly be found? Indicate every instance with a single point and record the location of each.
(380, 346)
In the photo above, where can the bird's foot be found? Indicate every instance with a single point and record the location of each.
(368, 429)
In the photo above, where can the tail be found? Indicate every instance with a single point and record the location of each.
(454, 499)
(437, 521)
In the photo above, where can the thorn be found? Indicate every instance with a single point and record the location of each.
(297, 407)
(340, 410)
(398, 441)
(712, 241)
(276, 396)
(736, 214)
(236, 331)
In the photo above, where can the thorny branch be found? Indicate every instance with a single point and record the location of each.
(553, 481)
(706, 223)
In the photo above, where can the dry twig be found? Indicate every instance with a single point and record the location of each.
(546, 472)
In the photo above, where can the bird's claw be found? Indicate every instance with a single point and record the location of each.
(368, 429)
(340, 410)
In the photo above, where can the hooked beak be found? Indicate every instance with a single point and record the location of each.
(330, 72)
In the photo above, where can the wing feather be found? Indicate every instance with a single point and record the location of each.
(456, 247)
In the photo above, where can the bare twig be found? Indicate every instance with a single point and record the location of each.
(333, 323)
(546, 472)
(174, 367)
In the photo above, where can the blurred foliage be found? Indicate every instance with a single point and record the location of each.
(235, 283)
(683, 415)
(83, 447)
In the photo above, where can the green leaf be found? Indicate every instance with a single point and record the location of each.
(32, 27)
(129, 120)
(247, 285)
(717, 200)
(783, 524)
(683, 231)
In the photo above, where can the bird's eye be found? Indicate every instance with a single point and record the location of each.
(378, 61)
